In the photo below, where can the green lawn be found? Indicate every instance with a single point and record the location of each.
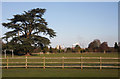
(66, 60)
(113, 54)
(52, 72)
(59, 72)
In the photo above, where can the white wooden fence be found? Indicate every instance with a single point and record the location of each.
(81, 64)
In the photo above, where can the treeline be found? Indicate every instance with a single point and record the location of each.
(97, 46)
(94, 46)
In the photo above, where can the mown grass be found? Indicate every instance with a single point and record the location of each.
(59, 72)
(52, 72)
(66, 60)
(90, 54)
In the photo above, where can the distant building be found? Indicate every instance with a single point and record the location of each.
(60, 47)
(73, 45)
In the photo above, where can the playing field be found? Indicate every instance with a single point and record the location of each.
(52, 72)
(59, 72)
(114, 54)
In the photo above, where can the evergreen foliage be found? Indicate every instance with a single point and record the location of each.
(28, 31)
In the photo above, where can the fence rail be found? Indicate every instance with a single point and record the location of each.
(80, 63)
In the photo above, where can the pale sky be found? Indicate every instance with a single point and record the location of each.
(74, 22)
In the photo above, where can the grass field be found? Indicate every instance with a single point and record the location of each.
(65, 55)
(59, 72)
(52, 72)
(114, 54)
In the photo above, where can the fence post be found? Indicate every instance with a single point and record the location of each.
(26, 62)
(63, 62)
(81, 62)
(100, 63)
(44, 62)
(7, 62)
(5, 53)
